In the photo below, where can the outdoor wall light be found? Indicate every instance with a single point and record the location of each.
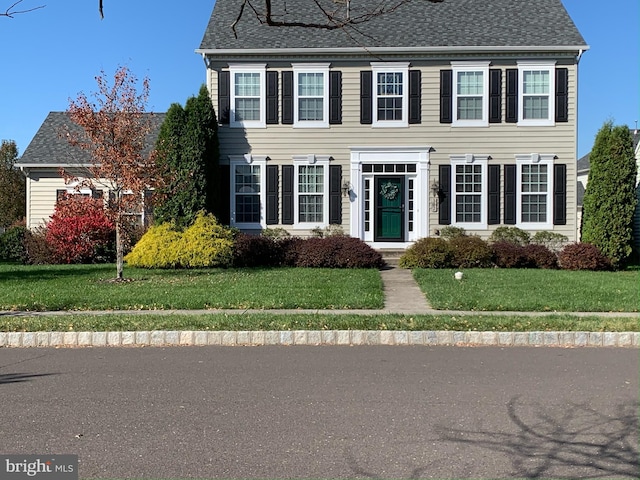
(346, 189)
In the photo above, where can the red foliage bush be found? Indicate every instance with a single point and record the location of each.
(583, 256)
(540, 256)
(336, 252)
(509, 255)
(256, 251)
(79, 231)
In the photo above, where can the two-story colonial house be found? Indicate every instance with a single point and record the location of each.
(458, 113)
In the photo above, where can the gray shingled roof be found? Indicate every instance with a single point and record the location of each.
(49, 147)
(419, 23)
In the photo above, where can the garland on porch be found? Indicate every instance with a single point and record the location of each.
(389, 191)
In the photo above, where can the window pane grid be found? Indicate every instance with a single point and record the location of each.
(470, 91)
(247, 193)
(311, 193)
(311, 96)
(390, 92)
(534, 186)
(247, 96)
(536, 89)
(468, 188)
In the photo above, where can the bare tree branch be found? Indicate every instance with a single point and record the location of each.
(333, 19)
(11, 12)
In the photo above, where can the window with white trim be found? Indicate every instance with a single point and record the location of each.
(469, 191)
(247, 96)
(390, 94)
(534, 187)
(536, 93)
(470, 94)
(248, 175)
(311, 190)
(311, 95)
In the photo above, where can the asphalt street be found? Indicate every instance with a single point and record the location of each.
(326, 412)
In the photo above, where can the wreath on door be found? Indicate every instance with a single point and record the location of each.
(389, 191)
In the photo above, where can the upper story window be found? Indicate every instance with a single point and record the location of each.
(470, 93)
(247, 96)
(390, 94)
(536, 88)
(469, 191)
(311, 87)
(534, 187)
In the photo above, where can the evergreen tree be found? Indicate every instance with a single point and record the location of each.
(610, 199)
(188, 150)
(13, 196)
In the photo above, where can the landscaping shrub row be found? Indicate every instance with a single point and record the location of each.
(508, 247)
(207, 244)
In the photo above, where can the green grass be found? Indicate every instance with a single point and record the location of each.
(531, 290)
(266, 321)
(89, 287)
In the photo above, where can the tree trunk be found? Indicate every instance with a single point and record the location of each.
(119, 251)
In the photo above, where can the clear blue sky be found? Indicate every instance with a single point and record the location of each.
(52, 54)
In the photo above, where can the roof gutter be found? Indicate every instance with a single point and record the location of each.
(25, 166)
(388, 50)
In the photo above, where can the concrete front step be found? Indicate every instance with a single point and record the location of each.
(391, 255)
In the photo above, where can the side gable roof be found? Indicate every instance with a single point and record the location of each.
(49, 148)
(416, 24)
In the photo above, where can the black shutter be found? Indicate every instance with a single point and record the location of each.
(415, 97)
(510, 194)
(287, 97)
(559, 194)
(495, 96)
(512, 96)
(335, 194)
(562, 95)
(272, 195)
(446, 96)
(224, 184)
(494, 195)
(272, 98)
(287, 194)
(224, 97)
(366, 97)
(335, 98)
(444, 214)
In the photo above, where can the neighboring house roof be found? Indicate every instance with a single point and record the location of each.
(50, 148)
(584, 165)
(414, 25)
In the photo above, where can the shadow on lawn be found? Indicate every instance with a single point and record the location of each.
(576, 442)
(50, 272)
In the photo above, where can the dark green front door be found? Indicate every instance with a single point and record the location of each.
(389, 207)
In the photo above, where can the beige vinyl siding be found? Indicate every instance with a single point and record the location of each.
(41, 194)
(501, 141)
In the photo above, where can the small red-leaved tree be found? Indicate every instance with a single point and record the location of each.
(114, 132)
(79, 229)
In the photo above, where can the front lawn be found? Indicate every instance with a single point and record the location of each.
(531, 290)
(90, 287)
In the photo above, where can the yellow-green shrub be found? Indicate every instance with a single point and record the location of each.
(205, 243)
(157, 248)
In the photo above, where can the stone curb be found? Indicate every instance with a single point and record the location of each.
(162, 338)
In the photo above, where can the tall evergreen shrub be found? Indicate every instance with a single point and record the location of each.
(610, 199)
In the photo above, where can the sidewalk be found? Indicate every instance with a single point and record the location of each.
(402, 296)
